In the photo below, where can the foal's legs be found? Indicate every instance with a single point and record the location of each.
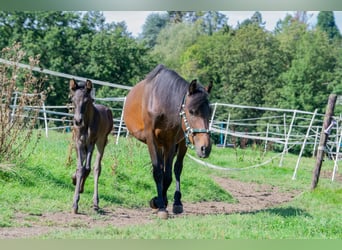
(178, 167)
(82, 172)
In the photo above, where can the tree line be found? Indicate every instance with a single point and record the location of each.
(295, 66)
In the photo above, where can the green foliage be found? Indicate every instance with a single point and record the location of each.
(305, 83)
(294, 67)
(172, 41)
(154, 23)
(76, 43)
(326, 22)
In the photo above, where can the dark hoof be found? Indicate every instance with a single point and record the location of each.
(153, 203)
(163, 214)
(177, 209)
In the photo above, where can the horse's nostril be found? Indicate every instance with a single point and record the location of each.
(203, 148)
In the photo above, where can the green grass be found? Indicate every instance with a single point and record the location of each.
(44, 185)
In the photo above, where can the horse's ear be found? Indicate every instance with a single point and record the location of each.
(73, 85)
(192, 87)
(209, 87)
(89, 85)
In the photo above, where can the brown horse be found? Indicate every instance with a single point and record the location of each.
(168, 114)
(92, 124)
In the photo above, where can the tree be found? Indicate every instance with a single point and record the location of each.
(255, 19)
(172, 41)
(111, 55)
(312, 66)
(213, 21)
(154, 23)
(326, 22)
(252, 67)
(76, 43)
(180, 16)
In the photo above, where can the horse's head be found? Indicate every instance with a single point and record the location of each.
(81, 99)
(196, 114)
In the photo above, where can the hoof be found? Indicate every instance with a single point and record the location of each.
(177, 209)
(163, 214)
(153, 204)
(75, 211)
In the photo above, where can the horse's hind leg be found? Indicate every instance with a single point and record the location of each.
(178, 167)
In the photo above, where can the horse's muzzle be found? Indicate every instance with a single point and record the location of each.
(203, 151)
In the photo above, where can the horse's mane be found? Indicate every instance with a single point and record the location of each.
(171, 88)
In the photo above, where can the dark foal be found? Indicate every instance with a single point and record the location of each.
(167, 113)
(92, 124)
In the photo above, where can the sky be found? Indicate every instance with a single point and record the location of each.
(136, 19)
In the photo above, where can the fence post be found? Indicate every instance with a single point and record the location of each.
(45, 121)
(227, 128)
(323, 139)
(337, 155)
(14, 106)
(212, 117)
(287, 139)
(315, 144)
(121, 121)
(304, 143)
(266, 140)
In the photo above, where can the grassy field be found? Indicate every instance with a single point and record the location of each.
(43, 185)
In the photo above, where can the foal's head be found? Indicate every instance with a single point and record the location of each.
(82, 100)
(196, 115)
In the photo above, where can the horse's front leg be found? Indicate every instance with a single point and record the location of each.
(177, 205)
(90, 149)
(78, 176)
(158, 175)
(97, 172)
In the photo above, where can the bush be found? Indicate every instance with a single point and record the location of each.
(21, 97)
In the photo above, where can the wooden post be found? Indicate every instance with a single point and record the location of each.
(323, 139)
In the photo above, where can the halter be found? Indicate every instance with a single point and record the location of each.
(188, 130)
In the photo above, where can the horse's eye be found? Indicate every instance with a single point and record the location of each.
(192, 112)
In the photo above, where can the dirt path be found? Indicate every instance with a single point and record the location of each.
(250, 197)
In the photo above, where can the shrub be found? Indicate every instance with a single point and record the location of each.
(21, 96)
